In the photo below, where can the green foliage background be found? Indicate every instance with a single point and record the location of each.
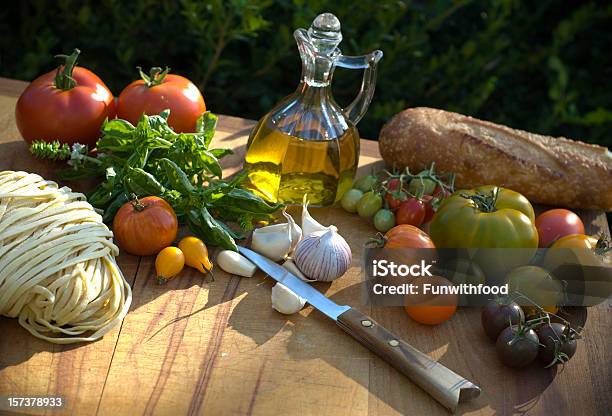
(543, 66)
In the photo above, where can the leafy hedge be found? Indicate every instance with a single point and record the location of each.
(543, 65)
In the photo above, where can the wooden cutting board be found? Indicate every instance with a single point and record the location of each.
(218, 348)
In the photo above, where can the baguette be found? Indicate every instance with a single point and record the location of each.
(547, 170)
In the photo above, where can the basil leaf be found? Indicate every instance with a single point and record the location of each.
(209, 229)
(219, 153)
(241, 200)
(176, 177)
(206, 126)
(142, 183)
(118, 128)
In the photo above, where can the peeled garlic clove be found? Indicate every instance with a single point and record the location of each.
(323, 255)
(273, 241)
(293, 269)
(285, 301)
(296, 231)
(235, 263)
(309, 224)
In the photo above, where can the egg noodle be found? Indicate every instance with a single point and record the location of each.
(58, 274)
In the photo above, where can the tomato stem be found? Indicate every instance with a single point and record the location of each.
(484, 202)
(156, 76)
(63, 76)
(138, 206)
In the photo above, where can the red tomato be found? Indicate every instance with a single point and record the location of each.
(429, 211)
(393, 184)
(159, 91)
(411, 211)
(146, 226)
(556, 223)
(442, 194)
(69, 106)
(395, 198)
(407, 236)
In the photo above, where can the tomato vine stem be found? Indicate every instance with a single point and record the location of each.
(156, 76)
(63, 77)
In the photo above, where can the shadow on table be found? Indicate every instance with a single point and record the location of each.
(23, 345)
(460, 344)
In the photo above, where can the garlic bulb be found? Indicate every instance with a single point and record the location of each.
(293, 269)
(309, 224)
(285, 301)
(278, 240)
(323, 255)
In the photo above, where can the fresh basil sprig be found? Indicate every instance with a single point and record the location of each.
(151, 159)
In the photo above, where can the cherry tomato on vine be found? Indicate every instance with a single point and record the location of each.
(68, 104)
(429, 211)
(411, 211)
(556, 223)
(439, 192)
(369, 204)
(350, 200)
(159, 91)
(421, 186)
(395, 198)
(365, 183)
(384, 220)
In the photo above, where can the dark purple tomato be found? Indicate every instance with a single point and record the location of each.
(498, 315)
(558, 344)
(517, 346)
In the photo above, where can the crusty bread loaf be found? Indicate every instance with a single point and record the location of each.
(547, 170)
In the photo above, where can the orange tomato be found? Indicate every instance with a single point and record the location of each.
(407, 236)
(68, 104)
(145, 226)
(159, 91)
(576, 241)
(428, 308)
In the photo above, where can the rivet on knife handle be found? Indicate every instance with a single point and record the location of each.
(444, 385)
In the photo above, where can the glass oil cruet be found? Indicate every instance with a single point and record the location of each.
(307, 144)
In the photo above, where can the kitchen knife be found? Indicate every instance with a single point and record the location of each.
(447, 387)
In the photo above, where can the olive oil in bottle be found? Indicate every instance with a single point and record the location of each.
(283, 168)
(308, 144)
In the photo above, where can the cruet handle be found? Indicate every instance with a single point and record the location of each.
(356, 110)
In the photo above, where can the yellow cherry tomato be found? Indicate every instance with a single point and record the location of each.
(196, 254)
(168, 263)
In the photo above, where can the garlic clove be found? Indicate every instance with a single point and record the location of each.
(293, 269)
(235, 263)
(309, 224)
(323, 255)
(273, 241)
(285, 301)
(296, 231)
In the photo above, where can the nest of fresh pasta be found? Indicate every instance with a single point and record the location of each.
(58, 273)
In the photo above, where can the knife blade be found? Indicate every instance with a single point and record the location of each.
(444, 385)
(295, 284)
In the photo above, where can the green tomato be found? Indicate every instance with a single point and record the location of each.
(369, 203)
(421, 186)
(384, 220)
(365, 183)
(350, 199)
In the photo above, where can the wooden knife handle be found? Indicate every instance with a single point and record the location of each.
(442, 384)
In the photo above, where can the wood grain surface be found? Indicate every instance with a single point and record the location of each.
(198, 348)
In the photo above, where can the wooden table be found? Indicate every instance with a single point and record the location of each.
(192, 347)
